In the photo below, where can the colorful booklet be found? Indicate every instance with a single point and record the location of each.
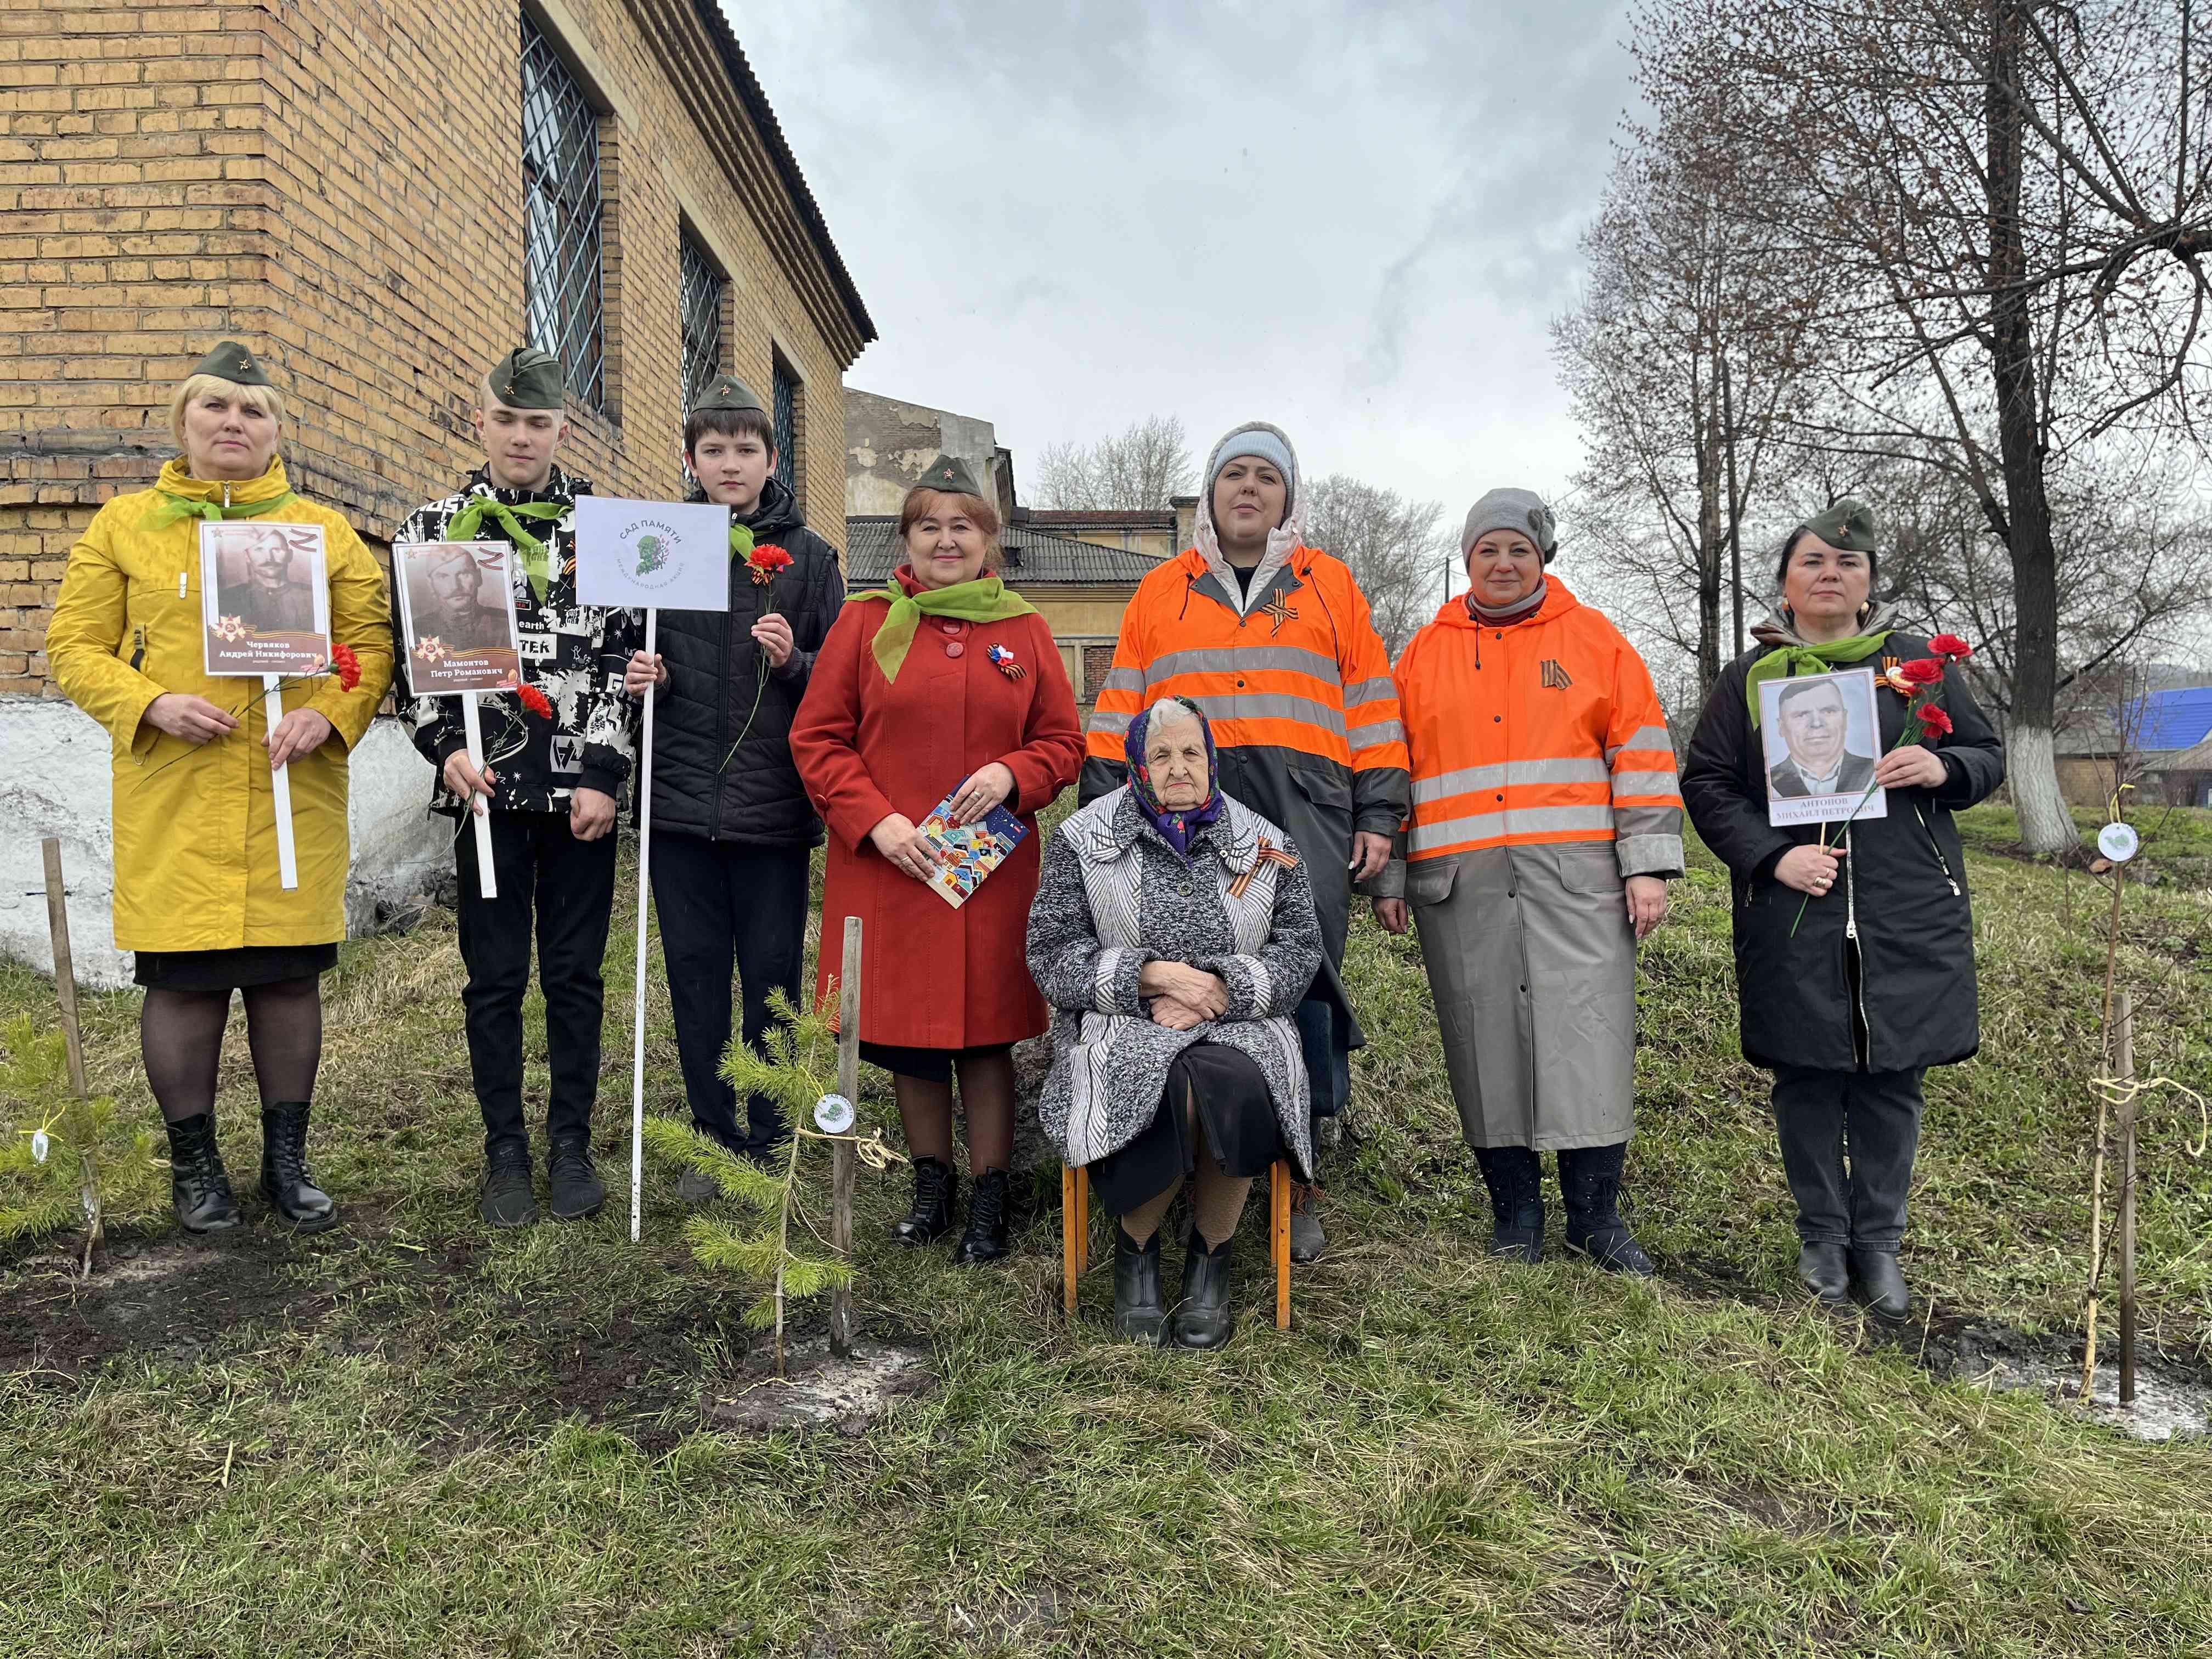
(970, 851)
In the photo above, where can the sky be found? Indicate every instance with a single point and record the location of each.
(1356, 221)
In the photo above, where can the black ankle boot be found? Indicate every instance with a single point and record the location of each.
(574, 1190)
(985, 1238)
(1824, 1273)
(199, 1184)
(1138, 1311)
(934, 1188)
(1880, 1285)
(1202, 1317)
(1516, 1201)
(1590, 1182)
(286, 1180)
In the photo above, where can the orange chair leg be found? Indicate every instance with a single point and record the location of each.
(1083, 1219)
(1068, 1233)
(1278, 1205)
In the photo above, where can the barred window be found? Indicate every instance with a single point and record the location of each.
(700, 289)
(562, 205)
(786, 424)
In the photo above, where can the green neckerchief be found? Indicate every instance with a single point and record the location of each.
(983, 600)
(741, 539)
(536, 563)
(174, 506)
(1787, 661)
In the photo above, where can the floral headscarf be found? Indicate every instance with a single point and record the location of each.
(1176, 827)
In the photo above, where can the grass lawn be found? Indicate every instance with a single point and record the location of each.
(412, 1437)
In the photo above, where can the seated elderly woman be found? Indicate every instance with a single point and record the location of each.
(1174, 934)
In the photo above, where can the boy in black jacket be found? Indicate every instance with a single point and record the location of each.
(549, 786)
(733, 828)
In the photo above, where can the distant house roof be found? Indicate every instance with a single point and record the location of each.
(1104, 519)
(1032, 556)
(2171, 719)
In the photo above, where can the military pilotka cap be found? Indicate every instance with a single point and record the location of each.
(527, 378)
(947, 474)
(1848, 525)
(232, 361)
(727, 392)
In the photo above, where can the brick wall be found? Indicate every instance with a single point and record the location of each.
(329, 181)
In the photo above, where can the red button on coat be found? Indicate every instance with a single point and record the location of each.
(954, 648)
(950, 626)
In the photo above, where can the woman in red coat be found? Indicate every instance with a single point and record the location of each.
(941, 683)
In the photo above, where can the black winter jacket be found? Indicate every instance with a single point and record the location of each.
(1880, 973)
(708, 781)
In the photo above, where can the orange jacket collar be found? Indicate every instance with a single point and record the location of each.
(1558, 600)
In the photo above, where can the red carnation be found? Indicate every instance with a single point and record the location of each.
(1951, 646)
(1934, 721)
(347, 666)
(766, 562)
(1922, 670)
(533, 701)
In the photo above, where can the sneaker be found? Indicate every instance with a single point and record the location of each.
(507, 1199)
(576, 1191)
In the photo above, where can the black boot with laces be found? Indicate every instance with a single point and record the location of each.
(286, 1180)
(985, 1238)
(931, 1217)
(199, 1184)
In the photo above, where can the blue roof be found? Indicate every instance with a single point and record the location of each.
(2172, 720)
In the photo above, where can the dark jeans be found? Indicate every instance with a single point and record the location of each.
(1326, 1037)
(568, 886)
(1871, 1117)
(719, 903)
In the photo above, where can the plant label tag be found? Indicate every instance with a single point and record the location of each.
(833, 1115)
(2119, 841)
(38, 1145)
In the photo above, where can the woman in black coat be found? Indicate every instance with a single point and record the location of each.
(1851, 1003)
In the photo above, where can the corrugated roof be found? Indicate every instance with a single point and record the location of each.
(871, 554)
(779, 148)
(1104, 517)
(2171, 719)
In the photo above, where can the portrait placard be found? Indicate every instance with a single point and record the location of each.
(457, 610)
(664, 555)
(1822, 738)
(265, 598)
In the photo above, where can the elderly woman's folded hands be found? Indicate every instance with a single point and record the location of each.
(1180, 996)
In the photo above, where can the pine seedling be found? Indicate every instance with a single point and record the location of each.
(755, 1242)
(66, 1156)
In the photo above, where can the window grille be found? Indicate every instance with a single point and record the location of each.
(562, 289)
(786, 426)
(700, 288)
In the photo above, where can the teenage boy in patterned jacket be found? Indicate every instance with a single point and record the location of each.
(549, 785)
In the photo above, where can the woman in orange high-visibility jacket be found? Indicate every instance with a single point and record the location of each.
(1547, 819)
(1273, 641)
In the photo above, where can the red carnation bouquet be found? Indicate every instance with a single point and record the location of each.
(767, 563)
(1920, 682)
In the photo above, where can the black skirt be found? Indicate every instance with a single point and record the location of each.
(232, 970)
(1238, 1114)
(925, 1065)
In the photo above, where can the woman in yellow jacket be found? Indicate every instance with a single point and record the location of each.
(198, 894)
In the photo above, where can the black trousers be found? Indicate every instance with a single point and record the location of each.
(567, 887)
(1871, 1119)
(722, 904)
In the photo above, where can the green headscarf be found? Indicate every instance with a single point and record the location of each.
(1785, 661)
(537, 563)
(983, 600)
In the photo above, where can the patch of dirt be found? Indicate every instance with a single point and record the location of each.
(817, 1390)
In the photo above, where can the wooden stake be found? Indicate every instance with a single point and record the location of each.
(841, 1156)
(65, 992)
(2124, 1071)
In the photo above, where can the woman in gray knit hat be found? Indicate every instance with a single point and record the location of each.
(1546, 825)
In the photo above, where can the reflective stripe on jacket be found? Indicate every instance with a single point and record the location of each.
(1537, 732)
(1303, 669)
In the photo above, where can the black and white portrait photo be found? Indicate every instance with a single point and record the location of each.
(1821, 741)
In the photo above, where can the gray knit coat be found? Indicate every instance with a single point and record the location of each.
(1114, 895)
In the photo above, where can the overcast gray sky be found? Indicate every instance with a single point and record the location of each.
(1354, 220)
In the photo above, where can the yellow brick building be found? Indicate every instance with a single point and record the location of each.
(382, 199)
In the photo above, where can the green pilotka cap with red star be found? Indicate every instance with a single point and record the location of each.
(727, 392)
(233, 363)
(1848, 525)
(949, 475)
(527, 378)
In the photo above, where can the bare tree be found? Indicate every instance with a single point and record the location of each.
(1401, 552)
(2010, 202)
(1142, 469)
(1688, 343)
